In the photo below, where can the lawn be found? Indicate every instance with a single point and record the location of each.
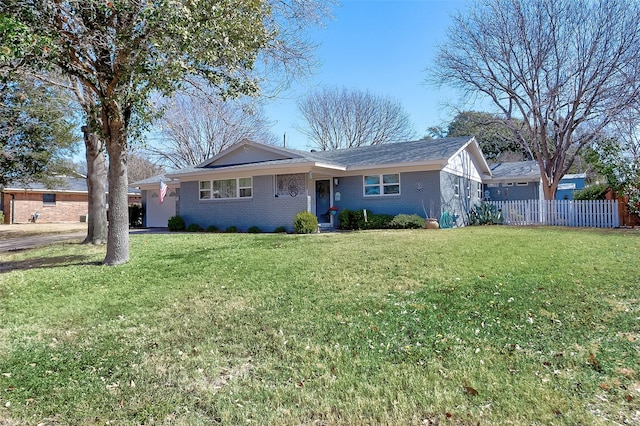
(488, 325)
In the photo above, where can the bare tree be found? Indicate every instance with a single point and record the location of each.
(559, 71)
(342, 118)
(195, 127)
(140, 167)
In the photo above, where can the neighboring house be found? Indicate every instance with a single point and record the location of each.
(66, 201)
(569, 184)
(520, 180)
(252, 184)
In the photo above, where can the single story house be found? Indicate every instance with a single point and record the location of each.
(64, 202)
(253, 184)
(569, 184)
(520, 180)
(157, 212)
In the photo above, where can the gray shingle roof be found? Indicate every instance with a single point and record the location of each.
(377, 155)
(393, 153)
(521, 169)
(62, 183)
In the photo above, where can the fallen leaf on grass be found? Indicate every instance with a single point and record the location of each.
(470, 391)
(629, 398)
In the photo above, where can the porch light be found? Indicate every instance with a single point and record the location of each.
(336, 181)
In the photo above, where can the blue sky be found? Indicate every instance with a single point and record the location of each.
(382, 46)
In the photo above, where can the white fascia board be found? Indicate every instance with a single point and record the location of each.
(256, 170)
(147, 186)
(43, 191)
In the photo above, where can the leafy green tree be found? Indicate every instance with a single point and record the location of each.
(124, 51)
(496, 139)
(36, 131)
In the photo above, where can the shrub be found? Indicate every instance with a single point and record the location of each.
(485, 214)
(1, 216)
(354, 220)
(194, 227)
(254, 230)
(176, 223)
(350, 219)
(231, 230)
(211, 228)
(280, 230)
(407, 221)
(305, 223)
(593, 192)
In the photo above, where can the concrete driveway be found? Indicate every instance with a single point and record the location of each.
(26, 236)
(29, 235)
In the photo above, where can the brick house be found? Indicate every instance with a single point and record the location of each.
(67, 202)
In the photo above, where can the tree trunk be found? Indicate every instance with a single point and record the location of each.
(96, 186)
(549, 188)
(118, 236)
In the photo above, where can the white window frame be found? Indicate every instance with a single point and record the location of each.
(205, 187)
(456, 190)
(380, 185)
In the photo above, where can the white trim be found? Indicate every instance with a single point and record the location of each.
(381, 185)
(211, 191)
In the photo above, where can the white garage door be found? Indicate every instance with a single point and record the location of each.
(158, 214)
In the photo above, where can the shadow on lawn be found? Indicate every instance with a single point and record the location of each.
(46, 262)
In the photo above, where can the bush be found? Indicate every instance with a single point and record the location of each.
(407, 221)
(280, 230)
(305, 223)
(254, 230)
(350, 220)
(354, 220)
(231, 230)
(485, 214)
(194, 227)
(593, 192)
(176, 223)
(211, 228)
(1, 217)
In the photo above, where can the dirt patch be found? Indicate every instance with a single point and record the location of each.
(31, 229)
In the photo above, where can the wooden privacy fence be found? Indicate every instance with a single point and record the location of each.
(592, 213)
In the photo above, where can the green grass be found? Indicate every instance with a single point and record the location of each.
(489, 325)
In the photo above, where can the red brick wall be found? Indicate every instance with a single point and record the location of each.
(68, 207)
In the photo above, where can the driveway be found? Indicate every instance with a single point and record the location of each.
(26, 236)
(32, 241)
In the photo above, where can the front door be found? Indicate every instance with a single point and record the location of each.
(323, 201)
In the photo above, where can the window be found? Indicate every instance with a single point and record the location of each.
(522, 183)
(456, 190)
(468, 189)
(205, 190)
(290, 185)
(49, 199)
(382, 184)
(226, 188)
